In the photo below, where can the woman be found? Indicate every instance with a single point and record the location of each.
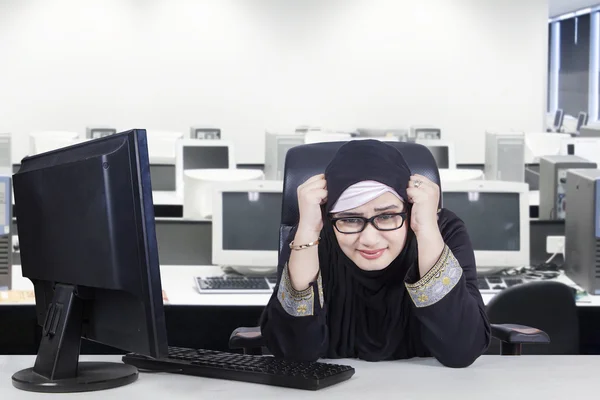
(373, 271)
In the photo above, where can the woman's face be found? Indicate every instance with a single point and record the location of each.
(373, 249)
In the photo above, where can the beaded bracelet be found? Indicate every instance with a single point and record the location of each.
(304, 246)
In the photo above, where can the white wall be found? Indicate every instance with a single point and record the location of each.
(559, 7)
(464, 65)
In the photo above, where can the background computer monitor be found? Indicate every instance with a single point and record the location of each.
(496, 214)
(40, 142)
(245, 227)
(425, 132)
(276, 148)
(442, 151)
(325, 136)
(205, 133)
(95, 132)
(558, 119)
(87, 242)
(201, 154)
(582, 119)
(162, 145)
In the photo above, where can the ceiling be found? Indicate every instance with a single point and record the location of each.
(558, 7)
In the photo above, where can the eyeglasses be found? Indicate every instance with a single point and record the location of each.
(382, 222)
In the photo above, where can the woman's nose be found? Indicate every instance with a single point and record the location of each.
(369, 236)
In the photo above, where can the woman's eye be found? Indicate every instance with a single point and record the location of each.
(351, 220)
(385, 216)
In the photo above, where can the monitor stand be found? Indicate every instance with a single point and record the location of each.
(57, 368)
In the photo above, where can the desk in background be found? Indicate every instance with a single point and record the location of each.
(206, 320)
(489, 377)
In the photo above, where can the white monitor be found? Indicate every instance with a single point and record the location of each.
(496, 214)
(539, 144)
(276, 148)
(442, 151)
(205, 132)
(201, 154)
(95, 132)
(425, 132)
(161, 146)
(40, 142)
(245, 226)
(584, 147)
(324, 136)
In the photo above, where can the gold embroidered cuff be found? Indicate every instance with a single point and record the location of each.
(438, 282)
(298, 303)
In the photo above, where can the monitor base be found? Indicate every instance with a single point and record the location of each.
(91, 376)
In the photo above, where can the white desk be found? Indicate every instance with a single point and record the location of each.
(489, 378)
(178, 284)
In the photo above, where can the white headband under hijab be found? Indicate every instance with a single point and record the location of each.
(361, 193)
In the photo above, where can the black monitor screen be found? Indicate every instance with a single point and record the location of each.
(205, 157)
(581, 120)
(492, 219)
(558, 118)
(251, 220)
(440, 154)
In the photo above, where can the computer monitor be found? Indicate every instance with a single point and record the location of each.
(5, 232)
(558, 120)
(442, 151)
(496, 214)
(325, 136)
(162, 146)
(40, 142)
(245, 227)
(201, 154)
(582, 119)
(540, 144)
(95, 132)
(276, 148)
(87, 241)
(590, 130)
(205, 132)
(425, 132)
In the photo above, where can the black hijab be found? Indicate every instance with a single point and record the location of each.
(367, 311)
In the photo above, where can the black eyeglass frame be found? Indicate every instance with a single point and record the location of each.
(371, 221)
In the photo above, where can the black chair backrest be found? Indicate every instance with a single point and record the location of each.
(304, 161)
(546, 305)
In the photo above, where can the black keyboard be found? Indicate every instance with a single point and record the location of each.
(246, 368)
(482, 283)
(234, 284)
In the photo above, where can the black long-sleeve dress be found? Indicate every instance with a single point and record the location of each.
(444, 312)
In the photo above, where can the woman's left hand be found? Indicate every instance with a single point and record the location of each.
(425, 196)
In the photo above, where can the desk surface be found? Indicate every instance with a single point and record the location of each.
(490, 377)
(180, 289)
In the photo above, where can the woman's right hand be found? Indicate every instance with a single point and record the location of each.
(311, 195)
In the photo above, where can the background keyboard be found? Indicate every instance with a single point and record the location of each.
(236, 284)
(246, 368)
(495, 283)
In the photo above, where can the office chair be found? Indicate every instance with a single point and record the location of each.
(306, 160)
(547, 305)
